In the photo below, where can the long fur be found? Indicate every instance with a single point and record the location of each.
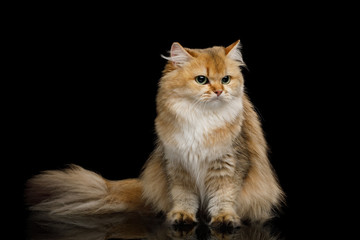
(210, 158)
(79, 191)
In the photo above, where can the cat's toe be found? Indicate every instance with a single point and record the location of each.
(181, 218)
(225, 221)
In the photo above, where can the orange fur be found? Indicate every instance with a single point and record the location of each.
(211, 155)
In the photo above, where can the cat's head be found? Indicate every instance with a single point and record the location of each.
(206, 77)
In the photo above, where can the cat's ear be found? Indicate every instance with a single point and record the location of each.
(233, 51)
(178, 55)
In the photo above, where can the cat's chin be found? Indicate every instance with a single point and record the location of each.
(216, 102)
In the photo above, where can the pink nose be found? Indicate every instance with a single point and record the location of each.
(218, 92)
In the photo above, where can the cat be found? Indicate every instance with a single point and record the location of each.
(210, 157)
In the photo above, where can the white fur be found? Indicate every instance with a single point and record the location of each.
(196, 122)
(73, 191)
(178, 55)
(235, 54)
(189, 146)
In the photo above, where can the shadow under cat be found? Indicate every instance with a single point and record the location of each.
(43, 226)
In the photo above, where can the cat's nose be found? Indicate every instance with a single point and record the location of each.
(218, 92)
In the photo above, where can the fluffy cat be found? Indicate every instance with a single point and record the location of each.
(210, 158)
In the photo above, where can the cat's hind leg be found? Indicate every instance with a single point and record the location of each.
(259, 197)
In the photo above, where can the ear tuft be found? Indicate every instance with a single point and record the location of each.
(178, 55)
(233, 52)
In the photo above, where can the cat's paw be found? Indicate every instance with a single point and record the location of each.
(181, 218)
(225, 220)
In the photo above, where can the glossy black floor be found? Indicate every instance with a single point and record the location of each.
(134, 226)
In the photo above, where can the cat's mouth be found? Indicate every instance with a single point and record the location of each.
(215, 100)
(221, 97)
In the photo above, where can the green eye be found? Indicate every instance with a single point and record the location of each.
(226, 79)
(201, 79)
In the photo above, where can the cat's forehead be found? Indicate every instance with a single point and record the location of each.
(213, 60)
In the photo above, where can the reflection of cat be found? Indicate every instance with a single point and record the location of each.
(211, 156)
(131, 226)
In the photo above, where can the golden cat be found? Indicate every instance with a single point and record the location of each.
(210, 159)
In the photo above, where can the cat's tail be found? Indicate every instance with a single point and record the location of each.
(79, 191)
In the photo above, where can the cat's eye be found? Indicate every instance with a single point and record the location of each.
(226, 79)
(201, 79)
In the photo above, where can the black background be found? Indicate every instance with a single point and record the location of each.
(84, 81)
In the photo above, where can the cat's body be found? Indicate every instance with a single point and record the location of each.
(211, 156)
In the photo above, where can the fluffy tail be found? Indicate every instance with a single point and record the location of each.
(79, 191)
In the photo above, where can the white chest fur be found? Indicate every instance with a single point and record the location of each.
(190, 144)
(193, 126)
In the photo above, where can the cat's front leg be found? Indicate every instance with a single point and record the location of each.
(222, 184)
(185, 206)
(184, 198)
